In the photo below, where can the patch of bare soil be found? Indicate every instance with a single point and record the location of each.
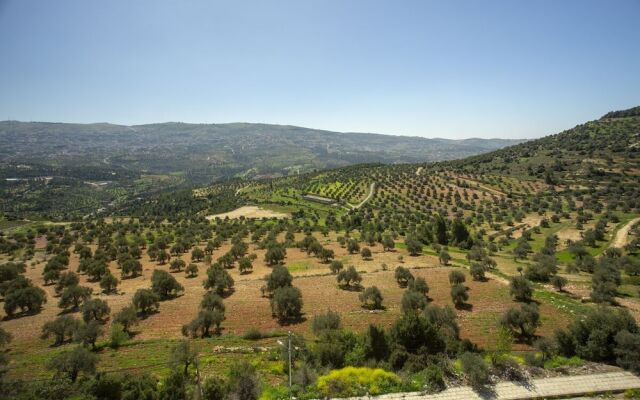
(249, 212)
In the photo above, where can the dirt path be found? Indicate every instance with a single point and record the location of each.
(371, 189)
(621, 236)
(480, 185)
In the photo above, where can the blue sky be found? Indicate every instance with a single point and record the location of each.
(427, 68)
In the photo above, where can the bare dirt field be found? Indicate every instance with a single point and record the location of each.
(249, 212)
(245, 308)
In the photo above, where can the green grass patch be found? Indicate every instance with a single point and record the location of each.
(298, 266)
(560, 361)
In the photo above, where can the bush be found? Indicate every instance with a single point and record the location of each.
(365, 253)
(244, 383)
(336, 266)
(403, 276)
(118, 335)
(412, 302)
(521, 289)
(534, 360)
(559, 282)
(254, 334)
(325, 322)
(214, 388)
(456, 277)
(475, 369)
(371, 298)
(594, 336)
(414, 333)
(419, 285)
(477, 272)
(459, 294)
(191, 271)
(352, 381)
(628, 350)
(433, 379)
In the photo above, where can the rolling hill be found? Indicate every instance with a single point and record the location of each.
(60, 170)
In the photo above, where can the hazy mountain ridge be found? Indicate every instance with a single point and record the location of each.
(209, 144)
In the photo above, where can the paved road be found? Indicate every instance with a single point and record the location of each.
(565, 386)
(621, 235)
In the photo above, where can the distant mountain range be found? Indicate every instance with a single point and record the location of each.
(205, 152)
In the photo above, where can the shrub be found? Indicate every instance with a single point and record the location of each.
(403, 276)
(371, 298)
(244, 383)
(459, 294)
(412, 302)
(559, 282)
(419, 285)
(336, 266)
(444, 257)
(477, 271)
(191, 271)
(214, 388)
(521, 289)
(414, 332)
(325, 322)
(353, 381)
(593, 337)
(474, 368)
(433, 379)
(254, 334)
(456, 277)
(365, 253)
(628, 350)
(118, 335)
